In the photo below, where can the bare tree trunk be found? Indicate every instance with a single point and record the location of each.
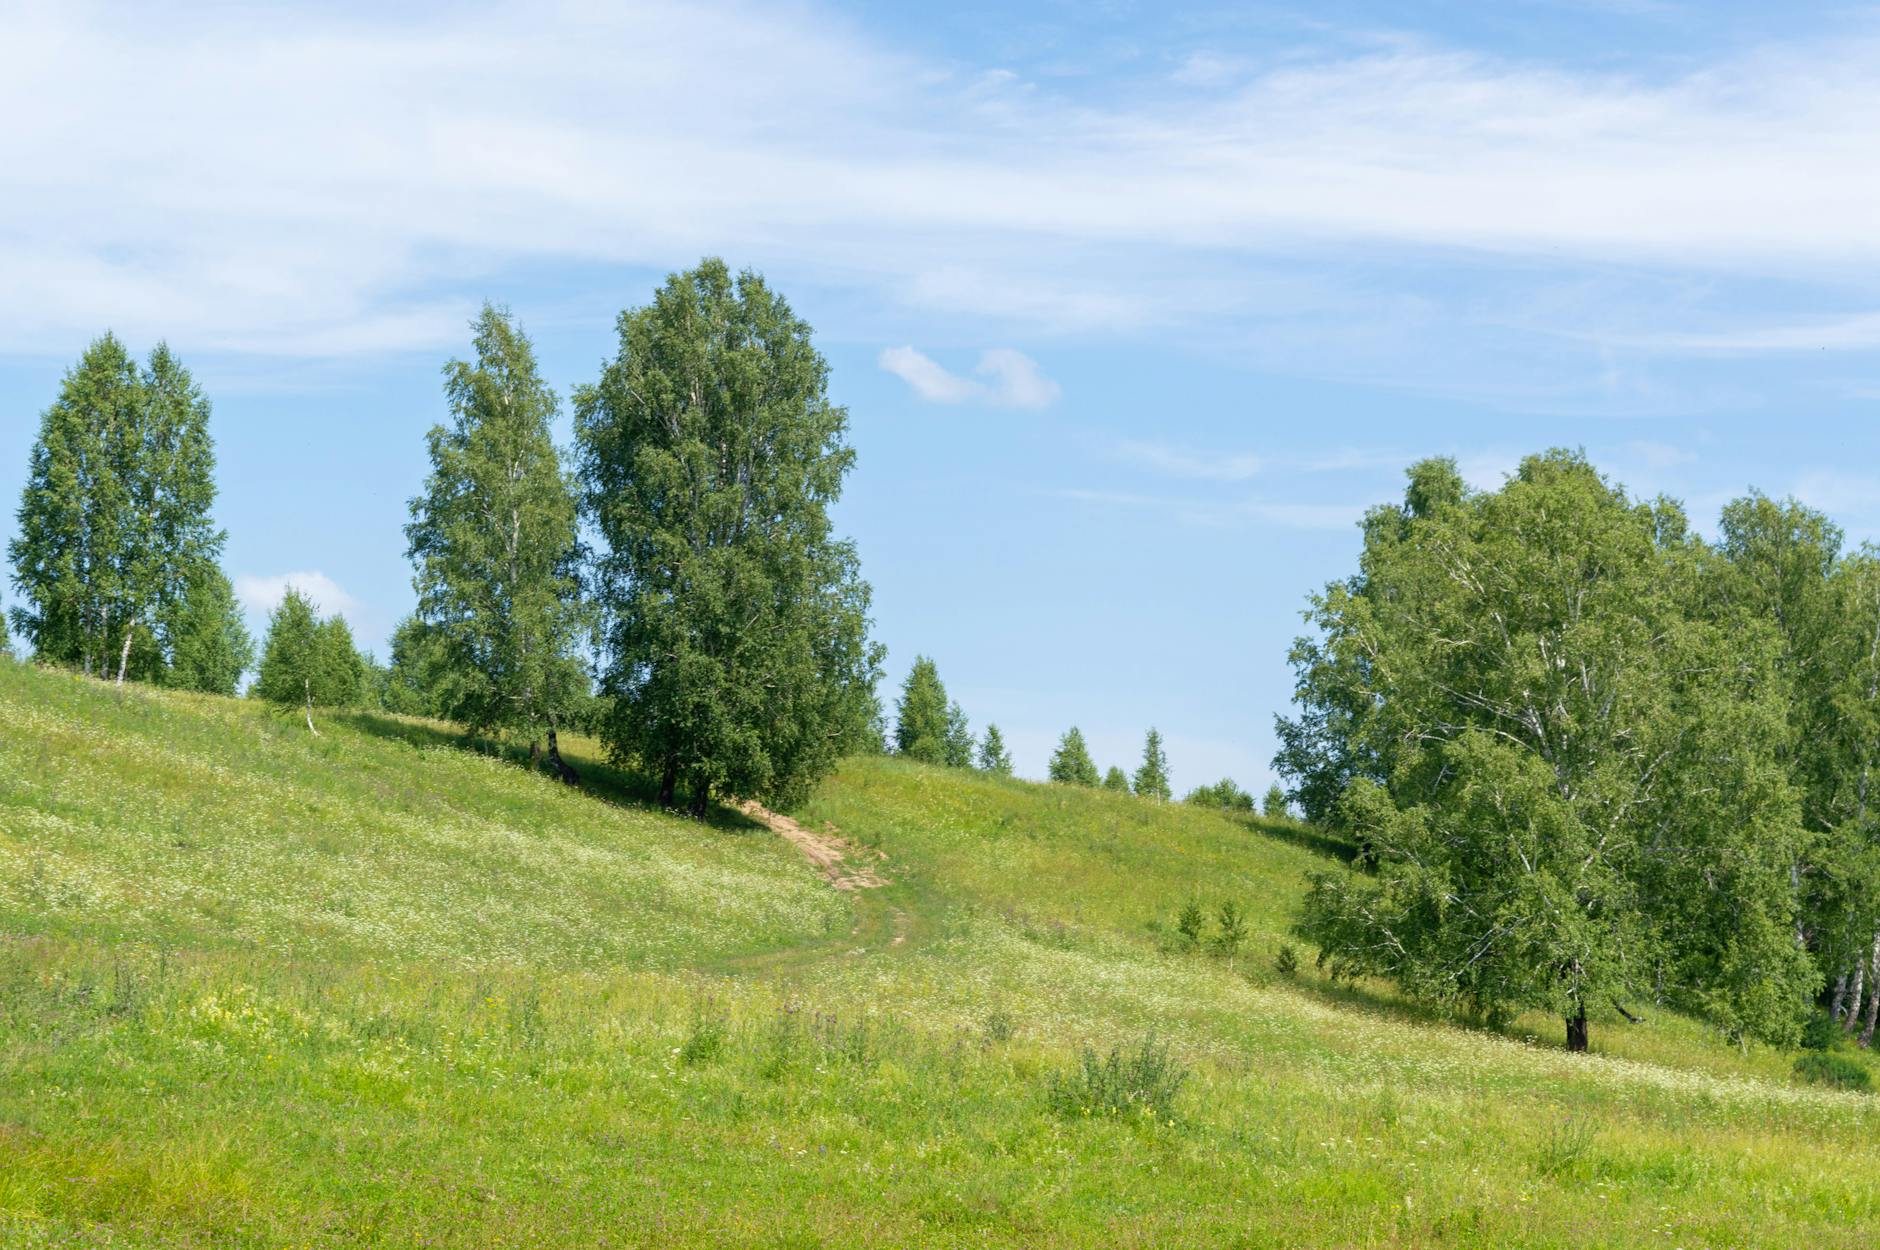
(535, 754)
(701, 800)
(1840, 998)
(307, 682)
(1853, 996)
(124, 656)
(1576, 1030)
(1873, 999)
(669, 781)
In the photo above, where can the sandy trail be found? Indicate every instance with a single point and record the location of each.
(830, 853)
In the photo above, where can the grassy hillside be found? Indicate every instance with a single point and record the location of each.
(262, 989)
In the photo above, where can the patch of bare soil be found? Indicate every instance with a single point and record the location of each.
(834, 857)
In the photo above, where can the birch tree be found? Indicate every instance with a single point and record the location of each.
(1573, 791)
(493, 540)
(735, 621)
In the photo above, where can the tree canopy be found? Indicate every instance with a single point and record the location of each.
(1562, 751)
(993, 755)
(734, 622)
(1071, 763)
(493, 540)
(114, 522)
(1151, 780)
(921, 723)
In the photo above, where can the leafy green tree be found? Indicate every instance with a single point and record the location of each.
(290, 656)
(993, 755)
(210, 647)
(1116, 779)
(114, 522)
(922, 722)
(419, 666)
(1581, 796)
(735, 623)
(6, 639)
(340, 672)
(959, 752)
(1325, 746)
(493, 540)
(1784, 566)
(1223, 794)
(1071, 763)
(68, 554)
(1273, 806)
(1152, 776)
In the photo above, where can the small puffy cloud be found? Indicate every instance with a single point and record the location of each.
(1015, 380)
(1004, 378)
(931, 380)
(264, 594)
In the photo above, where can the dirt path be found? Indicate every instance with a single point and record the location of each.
(833, 857)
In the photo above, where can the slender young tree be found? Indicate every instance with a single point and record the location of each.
(1152, 777)
(1116, 779)
(340, 672)
(1273, 806)
(959, 741)
(993, 755)
(417, 670)
(921, 723)
(290, 657)
(1071, 763)
(69, 551)
(735, 621)
(493, 540)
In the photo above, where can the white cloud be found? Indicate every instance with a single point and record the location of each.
(1660, 455)
(306, 181)
(1006, 378)
(1219, 514)
(930, 380)
(1177, 462)
(262, 595)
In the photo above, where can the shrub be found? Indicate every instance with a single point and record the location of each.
(1233, 929)
(1287, 961)
(1819, 1033)
(1143, 1083)
(999, 1028)
(705, 1041)
(1818, 1068)
(1189, 923)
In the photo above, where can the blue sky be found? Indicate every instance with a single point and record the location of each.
(1135, 307)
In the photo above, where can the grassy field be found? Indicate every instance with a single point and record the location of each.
(263, 989)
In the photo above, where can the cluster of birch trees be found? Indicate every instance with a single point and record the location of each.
(1593, 759)
(116, 559)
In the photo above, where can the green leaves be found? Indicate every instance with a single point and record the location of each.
(308, 660)
(1561, 751)
(114, 522)
(1071, 763)
(494, 544)
(735, 623)
(1151, 780)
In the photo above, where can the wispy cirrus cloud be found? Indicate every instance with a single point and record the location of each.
(1173, 461)
(556, 134)
(1003, 378)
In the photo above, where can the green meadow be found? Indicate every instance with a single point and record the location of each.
(260, 988)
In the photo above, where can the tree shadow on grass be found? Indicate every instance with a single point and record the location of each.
(1359, 996)
(601, 779)
(1304, 836)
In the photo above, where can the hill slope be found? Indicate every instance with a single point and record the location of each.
(259, 988)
